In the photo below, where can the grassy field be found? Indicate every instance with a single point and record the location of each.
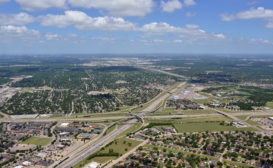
(110, 129)
(170, 111)
(188, 119)
(131, 129)
(242, 117)
(206, 126)
(200, 124)
(103, 159)
(94, 115)
(269, 104)
(120, 145)
(251, 122)
(37, 141)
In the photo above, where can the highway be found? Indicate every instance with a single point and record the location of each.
(75, 158)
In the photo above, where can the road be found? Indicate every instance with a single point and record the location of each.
(127, 154)
(74, 158)
(233, 117)
(77, 157)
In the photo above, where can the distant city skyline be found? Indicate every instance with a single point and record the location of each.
(136, 26)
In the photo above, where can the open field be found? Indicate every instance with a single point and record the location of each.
(188, 119)
(170, 111)
(119, 146)
(201, 124)
(269, 104)
(103, 159)
(206, 126)
(37, 141)
(133, 128)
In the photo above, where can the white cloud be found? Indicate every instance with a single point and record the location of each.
(103, 39)
(117, 7)
(51, 36)
(261, 41)
(16, 19)
(32, 5)
(269, 24)
(220, 36)
(171, 5)
(253, 13)
(177, 41)
(192, 26)
(189, 14)
(189, 2)
(158, 28)
(3, 1)
(191, 34)
(252, 2)
(158, 41)
(82, 21)
(16, 32)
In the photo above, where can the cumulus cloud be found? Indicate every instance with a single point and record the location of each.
(253, 13)
(189, 2)
(82, 21)
(162, 28)
(51, 36)
(16, 19)
(3, 1)
(117, 7)
(192, 26)
(21, 32)
(171, 5)
(32, 5)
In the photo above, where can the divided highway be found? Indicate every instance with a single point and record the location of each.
(75, 158)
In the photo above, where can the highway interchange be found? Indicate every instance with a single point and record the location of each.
(76, 156)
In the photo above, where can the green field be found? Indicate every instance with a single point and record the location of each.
(37, 141)
(103, 159)
(243, 117)
(206, 126)
(132, 129)
(269, 104)
(120, 146)
(202, 124)
(170, 111)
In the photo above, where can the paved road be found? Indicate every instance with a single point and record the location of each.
(208, 115)
(141, 114)
(77, 157)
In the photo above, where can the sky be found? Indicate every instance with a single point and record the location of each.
(136, 26)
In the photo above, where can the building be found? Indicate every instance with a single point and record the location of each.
(93, 165)
(64, 125)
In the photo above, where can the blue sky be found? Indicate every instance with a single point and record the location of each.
(136, 26)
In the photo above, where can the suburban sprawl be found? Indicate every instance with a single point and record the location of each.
(128, 111)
